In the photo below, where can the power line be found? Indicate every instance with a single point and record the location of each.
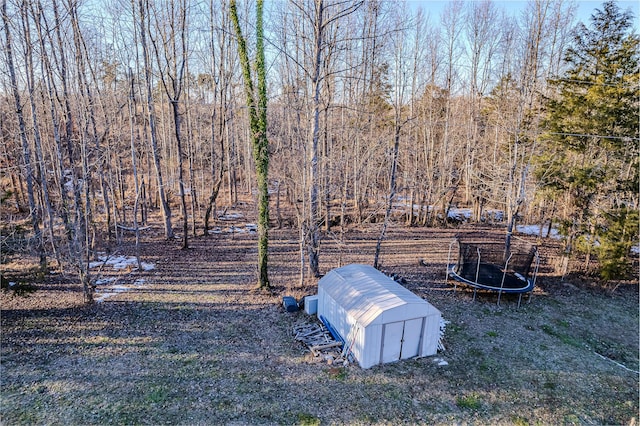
(595, 83)
(593, 136)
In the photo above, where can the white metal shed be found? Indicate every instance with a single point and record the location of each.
(380, 320)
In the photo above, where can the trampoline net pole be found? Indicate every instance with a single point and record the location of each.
(475, 288)
(504, 275)
(478, 264)
(446, 277)
(535, 273)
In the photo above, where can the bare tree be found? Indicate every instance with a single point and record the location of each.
(171, 56)
(452, 24)
(320, 17)
(40, 160)
(26, 151)
(219, 82)
(481, 29)
(400, 81)
(143, 7)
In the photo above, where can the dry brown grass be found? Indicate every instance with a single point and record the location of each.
(195, 344)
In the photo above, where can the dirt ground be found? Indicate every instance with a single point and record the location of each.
(192, 342)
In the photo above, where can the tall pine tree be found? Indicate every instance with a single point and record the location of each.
(592, 145)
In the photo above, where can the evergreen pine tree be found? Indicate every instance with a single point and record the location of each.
(591, 149)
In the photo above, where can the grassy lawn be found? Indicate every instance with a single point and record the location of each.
(196, 345)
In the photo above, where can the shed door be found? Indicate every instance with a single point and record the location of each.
(401, 340)
(411, 338)
(391, 341)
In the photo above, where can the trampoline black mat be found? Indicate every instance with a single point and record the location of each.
(490, 277)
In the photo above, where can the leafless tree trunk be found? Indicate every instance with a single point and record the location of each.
(219, 112)
(399, 86)
(481, 30)
(516, 194)
(314, 202)
(172, 59)
(134, 165)
(40, 161)
(320, 18)
(26, 151)
(166, 210)
(452, 25)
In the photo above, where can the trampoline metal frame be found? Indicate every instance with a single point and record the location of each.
(530, 282)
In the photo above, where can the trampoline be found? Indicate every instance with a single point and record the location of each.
(486, 266)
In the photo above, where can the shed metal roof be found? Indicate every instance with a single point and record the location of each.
(366, 294)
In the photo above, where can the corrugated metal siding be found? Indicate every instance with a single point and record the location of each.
(359, 301)
(366, 294)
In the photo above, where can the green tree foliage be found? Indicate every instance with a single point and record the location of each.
(590, 155)
(616, 234)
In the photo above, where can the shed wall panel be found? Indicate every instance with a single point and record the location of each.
(430, 336)
(369, 352)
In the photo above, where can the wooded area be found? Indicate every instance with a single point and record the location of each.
(375, 111)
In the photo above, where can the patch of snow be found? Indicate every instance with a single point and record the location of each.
(103, 297)
(108, 292)
(459, 214)
(251, 228)
(121, 262)
(455, 213)
(231, 216)
(104, 281)
(635, 249)
(535, 230)
(147, 266)
(112, 291)
(440, 361)
(493, 215)
(416, 207)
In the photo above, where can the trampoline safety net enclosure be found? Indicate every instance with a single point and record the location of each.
(489, 266)
(379, 320)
